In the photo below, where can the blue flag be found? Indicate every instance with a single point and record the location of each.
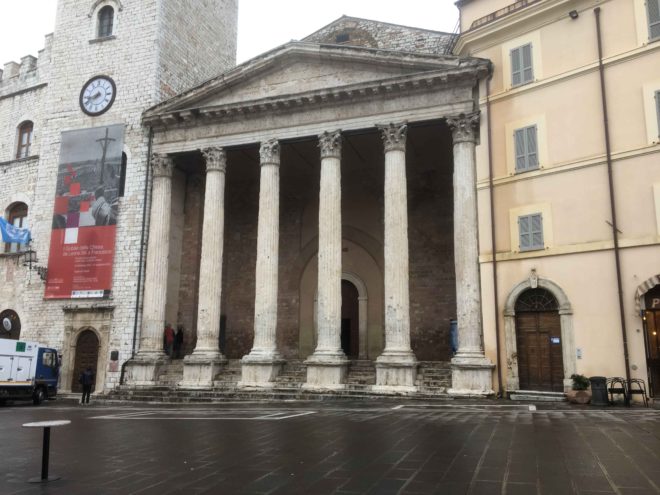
(14, 234)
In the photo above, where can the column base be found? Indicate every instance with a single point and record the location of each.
(471, 375)
(145, 367)
(326, 371)
(396, 372)
(200, 368)
(259, 370)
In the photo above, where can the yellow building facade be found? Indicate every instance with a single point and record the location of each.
(553, 304)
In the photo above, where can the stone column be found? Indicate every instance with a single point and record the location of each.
(264, 363)
(396, 368)
(203, 364)
(144, 368)
(326, 368)
(471, 370)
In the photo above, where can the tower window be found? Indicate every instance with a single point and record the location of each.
(106, 20)
(24, 139)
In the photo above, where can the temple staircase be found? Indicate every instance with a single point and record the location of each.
(433, 379)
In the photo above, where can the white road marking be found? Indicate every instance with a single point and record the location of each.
(154, 415)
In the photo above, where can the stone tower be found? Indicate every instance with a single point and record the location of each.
(150, 50)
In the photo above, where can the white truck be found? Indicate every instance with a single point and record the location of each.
(28, 370)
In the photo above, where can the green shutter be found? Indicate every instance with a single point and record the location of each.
(654, 18)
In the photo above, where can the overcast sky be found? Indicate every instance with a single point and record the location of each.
(263, 24)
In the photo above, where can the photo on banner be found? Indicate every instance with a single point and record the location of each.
(82, 243)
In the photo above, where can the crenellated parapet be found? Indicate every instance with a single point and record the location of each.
(30, 72)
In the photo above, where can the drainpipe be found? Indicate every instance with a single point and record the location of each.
(615, 230)
(142, 236)
(492, 234)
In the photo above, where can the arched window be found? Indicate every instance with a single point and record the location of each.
(16, 216)
(24, 139)
(106, 20)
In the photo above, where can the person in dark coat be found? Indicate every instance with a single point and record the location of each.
(178, 342)
(87, 381)
(169, 340)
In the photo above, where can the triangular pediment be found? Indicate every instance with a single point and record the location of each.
(305, 68)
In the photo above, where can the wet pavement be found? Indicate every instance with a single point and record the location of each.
(352, 447)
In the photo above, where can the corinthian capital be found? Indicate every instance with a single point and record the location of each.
(269, 152)
(394, 136)
(464, 127)
(162, 165)
(216, 159)
(330, 144)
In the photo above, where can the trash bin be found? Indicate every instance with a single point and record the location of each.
(599, 391)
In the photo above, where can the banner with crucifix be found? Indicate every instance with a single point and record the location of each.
(82, 243)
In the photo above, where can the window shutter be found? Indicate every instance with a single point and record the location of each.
(654, 18)
(516, 69)
(537, 231)
(527, 155)
(519, 139)
(532, 150)
(524, 233)
(657, 109)
(528, 70)
(530, 231)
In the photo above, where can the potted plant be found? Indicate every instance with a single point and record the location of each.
(580, 393)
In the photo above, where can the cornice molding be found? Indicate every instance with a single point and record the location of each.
(534, 17)
(339, 95)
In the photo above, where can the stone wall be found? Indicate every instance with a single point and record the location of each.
(149, 47)
(197, 42)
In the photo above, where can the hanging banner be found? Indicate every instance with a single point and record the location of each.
(82, 243)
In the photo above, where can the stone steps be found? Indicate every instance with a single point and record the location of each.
(433, 379)
(537, 396)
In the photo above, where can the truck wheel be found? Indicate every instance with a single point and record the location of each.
(38, 396)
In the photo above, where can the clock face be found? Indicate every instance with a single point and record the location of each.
(97, 95)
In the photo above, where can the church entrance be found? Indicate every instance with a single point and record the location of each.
(652, 342)
(538, 340)
(350, 327)
(87, 355)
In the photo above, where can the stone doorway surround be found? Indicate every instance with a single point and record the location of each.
(76, 321)
(566, 321)
(363, 317)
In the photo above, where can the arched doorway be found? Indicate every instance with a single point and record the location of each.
(651, 323)
(539, 341)
(87, 355)
(350, 320)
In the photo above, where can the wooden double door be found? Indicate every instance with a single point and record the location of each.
(539, 347)
(87, 356)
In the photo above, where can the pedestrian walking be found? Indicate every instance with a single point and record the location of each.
(169, 340)
(87, 381)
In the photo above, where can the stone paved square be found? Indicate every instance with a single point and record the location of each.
(342, 447)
